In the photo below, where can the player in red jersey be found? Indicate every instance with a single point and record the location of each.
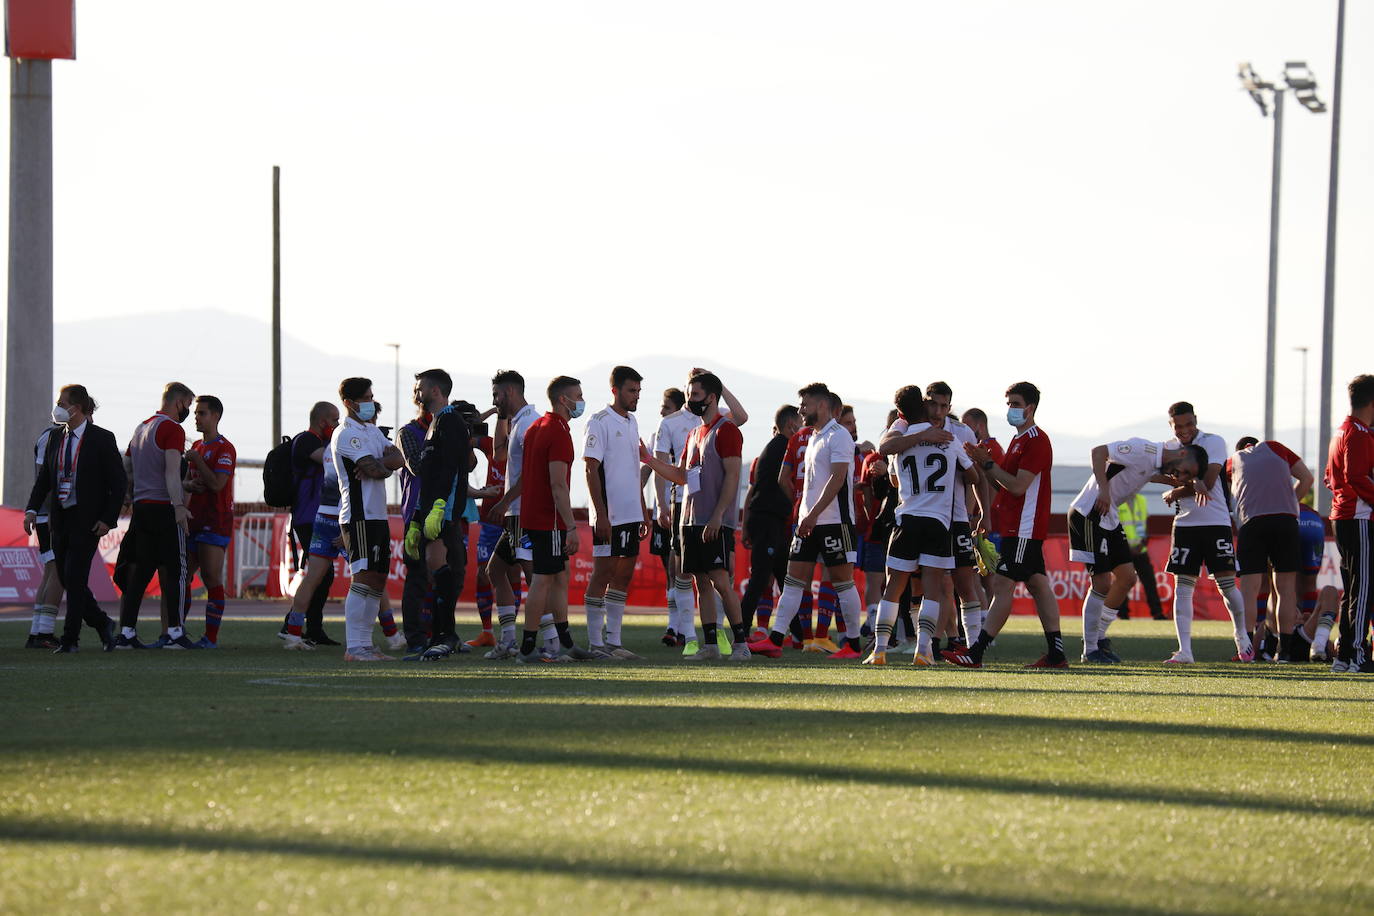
(1023, 506)
(490, 529)
(1350, 477)
(210, 483)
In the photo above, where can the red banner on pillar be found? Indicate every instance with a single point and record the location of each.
(40, 29)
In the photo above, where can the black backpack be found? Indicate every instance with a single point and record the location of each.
(278, 476)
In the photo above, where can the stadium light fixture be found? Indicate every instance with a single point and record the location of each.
(1298, 79)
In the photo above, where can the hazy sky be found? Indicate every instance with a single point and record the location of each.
(868, 193)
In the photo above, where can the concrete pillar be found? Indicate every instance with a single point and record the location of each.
(29, 390)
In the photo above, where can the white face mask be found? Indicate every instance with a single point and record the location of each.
(1016, 416)
(577, 408)
(61, 414)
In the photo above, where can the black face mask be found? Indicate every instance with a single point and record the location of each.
(697, 407)
(185, 412)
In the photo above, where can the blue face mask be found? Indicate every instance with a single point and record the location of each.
(366, 411)
(1016, 416)
(578, 407)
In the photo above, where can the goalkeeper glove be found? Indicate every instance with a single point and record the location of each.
(434, 522)
(411, 545)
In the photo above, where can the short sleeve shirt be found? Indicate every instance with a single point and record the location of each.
(1130, 465)
(613, 441)
(1027, 515)
(546, 441)
(927, 478)
(829, 446)
(1216, 512)
(515, 452)
(360, 498)
(214, 511)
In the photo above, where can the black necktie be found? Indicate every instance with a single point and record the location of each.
(67, 459)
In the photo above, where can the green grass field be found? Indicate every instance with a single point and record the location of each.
(252, 779)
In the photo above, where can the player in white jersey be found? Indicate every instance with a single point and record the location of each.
(926, 461)
(620, 519)
(363, 459)
(1202, 533)
(1096, 539)
(670, 441)
(512, 551)
(825, 524)
(971, 482)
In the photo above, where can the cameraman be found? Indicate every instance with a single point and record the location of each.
(433, 531)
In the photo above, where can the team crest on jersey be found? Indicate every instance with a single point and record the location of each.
(355, 442)
(591, 441)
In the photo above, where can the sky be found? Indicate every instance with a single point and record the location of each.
(870, 194)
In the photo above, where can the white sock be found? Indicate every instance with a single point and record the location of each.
(546, 630)
(672, 607)
(505, 615)
(1108, 618)
(175, 632)
(44, 620)
(1235, 606)
(596, 619)
(358, 617)
(686, 607)
(788, 605)
(972, 614)
(128, 632)
(1323, 633)
(851, 608)
(1092, 618)
(615, 615)
(1183, 616)
(926, 622)
(882, 628)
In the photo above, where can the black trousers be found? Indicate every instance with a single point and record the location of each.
(767, 560)
(1357, 563)
(74, 547)
(419, 582)
(1145, 572)
(159, 548)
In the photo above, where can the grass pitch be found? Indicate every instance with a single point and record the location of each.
(252, 779)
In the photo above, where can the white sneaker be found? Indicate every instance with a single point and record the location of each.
(1179, 658)
(367, 654)
(294, 643)
(396, 640)
(704, 654)
(601, 653)
(740, 653)
(503, 651)
(622, 653)
(1340, 667)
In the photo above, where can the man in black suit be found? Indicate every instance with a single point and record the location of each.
(82, 481)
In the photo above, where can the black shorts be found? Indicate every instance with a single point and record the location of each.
(660, 541)
(1100, 549)
(1269, 541)
(549, 552)
(624, 542)
(1195, 545)
(1021, 558)
(919, 541)
(961, 537)
(833, 545)
(368, 542)
(514, 544)
(45, 554)
(701, 556)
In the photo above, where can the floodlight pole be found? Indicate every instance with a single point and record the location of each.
(28, 328)
(1303, 449)
(396, 391)
(1272, 323)
(1329, 297)
(276, 305)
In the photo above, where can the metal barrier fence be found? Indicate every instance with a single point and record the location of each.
(258, 542)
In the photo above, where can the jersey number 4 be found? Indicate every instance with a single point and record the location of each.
(933, 460)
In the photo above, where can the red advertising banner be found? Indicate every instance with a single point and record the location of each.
(40, 29)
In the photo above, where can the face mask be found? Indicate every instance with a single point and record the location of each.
(61, 414)
(1016, 416)
(185, 412)
(367, 410)
(577, 408)
(697, 407)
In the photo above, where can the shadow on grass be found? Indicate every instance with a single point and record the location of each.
(362, 850)
(567, 733)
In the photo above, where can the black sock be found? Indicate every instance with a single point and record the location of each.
(776, 638)
(708, 634)
(980, 645)
(442, 621)
(527, 641)
(741, 631)
(934, 646)
(795, 628)
(853, 643)
(564, 635)
(1055, 640)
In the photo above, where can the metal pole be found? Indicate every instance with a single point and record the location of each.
(276, 305)
(1329, 299)
(396, 393)
(1273, 267)
(28, 327)
(1303, 449)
